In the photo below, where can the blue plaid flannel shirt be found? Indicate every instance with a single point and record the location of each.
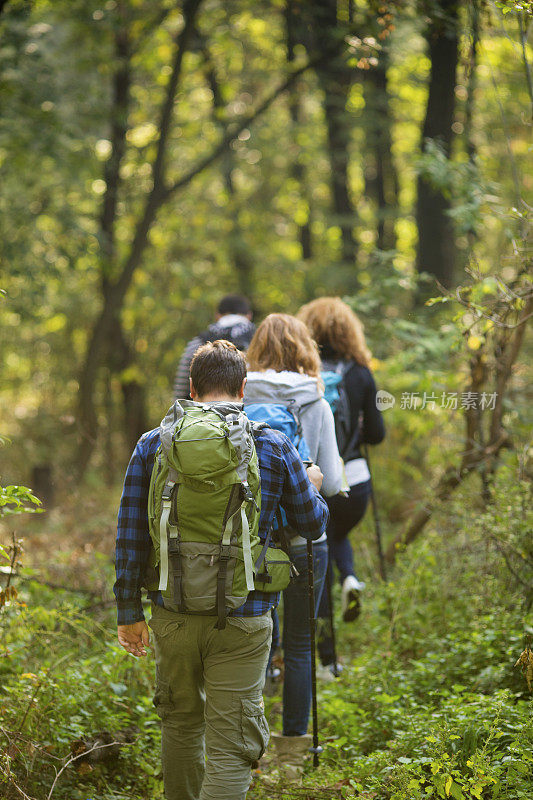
(284, 482)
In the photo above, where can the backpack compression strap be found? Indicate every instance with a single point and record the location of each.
(166, 501)
(170, 543)
(225, 552)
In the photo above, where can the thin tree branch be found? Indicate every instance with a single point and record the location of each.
(160, 195)
(505, 369)
(238, 126)
(498, 321)
(513, 572)
(82, 755)
(14, 556)
(189, 11)
(157, 195)
(27, 740)
(473, 456)
(120, 102)
(451, 479)
(150, 27)
(16, 786)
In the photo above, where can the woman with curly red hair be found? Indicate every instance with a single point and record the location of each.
(341, 341)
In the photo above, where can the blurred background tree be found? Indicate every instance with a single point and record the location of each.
(156, 155)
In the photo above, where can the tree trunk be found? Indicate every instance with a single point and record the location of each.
(121, 359)
(479, 451)
(336, 84)
(470, 82)
(381, 179)
(335, 78)
(42, 484)
(161, 193)
(436, 252)
(297, 168)
(135, 417)
(239, 253)
(109, 434)
(114, 291)
(120, 103)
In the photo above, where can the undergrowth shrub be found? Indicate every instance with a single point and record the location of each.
(67, 688)
(432, 703)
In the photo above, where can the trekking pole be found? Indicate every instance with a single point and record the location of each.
(377, 525)
(315, 749)
(329, 595)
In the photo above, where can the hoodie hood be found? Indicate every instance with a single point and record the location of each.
(283, 387)
(236, 328)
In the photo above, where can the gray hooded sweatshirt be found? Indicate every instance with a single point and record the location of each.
(318, 426)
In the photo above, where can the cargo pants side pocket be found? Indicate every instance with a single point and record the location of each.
(254, 727)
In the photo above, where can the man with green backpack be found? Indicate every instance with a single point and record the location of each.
(199, 499)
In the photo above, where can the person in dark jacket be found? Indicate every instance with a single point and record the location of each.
(339, 335)
(233, 324)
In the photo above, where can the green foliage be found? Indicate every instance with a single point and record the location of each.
(432, 705)
(470, 746)
(67, 688)
(430, 702)
(17, 500)
(461, 182)
(56, 67)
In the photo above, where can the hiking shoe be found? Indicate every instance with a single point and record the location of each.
(351, 598)
(328, 672)
(291, 753)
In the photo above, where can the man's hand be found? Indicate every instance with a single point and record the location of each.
(315, 476)
(134, 638)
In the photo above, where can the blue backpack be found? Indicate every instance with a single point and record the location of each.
(284, 418)
(335, 393)
(332, 382)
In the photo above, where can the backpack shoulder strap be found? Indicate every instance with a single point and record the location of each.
(257, 427)
(345, 366)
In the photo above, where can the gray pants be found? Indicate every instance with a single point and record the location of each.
(209, 698)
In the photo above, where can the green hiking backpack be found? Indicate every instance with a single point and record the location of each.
(203, 509)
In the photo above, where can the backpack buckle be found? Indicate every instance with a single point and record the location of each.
(167, 491)
(225, 552)
(174, 546)
(248, 496)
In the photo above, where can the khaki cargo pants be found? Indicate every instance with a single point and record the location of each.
(209, 686)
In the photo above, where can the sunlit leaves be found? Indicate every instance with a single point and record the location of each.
(17, 499)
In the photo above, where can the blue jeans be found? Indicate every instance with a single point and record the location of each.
(297, 638)
(344, 514)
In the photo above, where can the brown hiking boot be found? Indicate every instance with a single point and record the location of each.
(291, 753)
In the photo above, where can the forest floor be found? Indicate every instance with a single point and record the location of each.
(430, 703)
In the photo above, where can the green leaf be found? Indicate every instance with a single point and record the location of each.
(455, 791)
